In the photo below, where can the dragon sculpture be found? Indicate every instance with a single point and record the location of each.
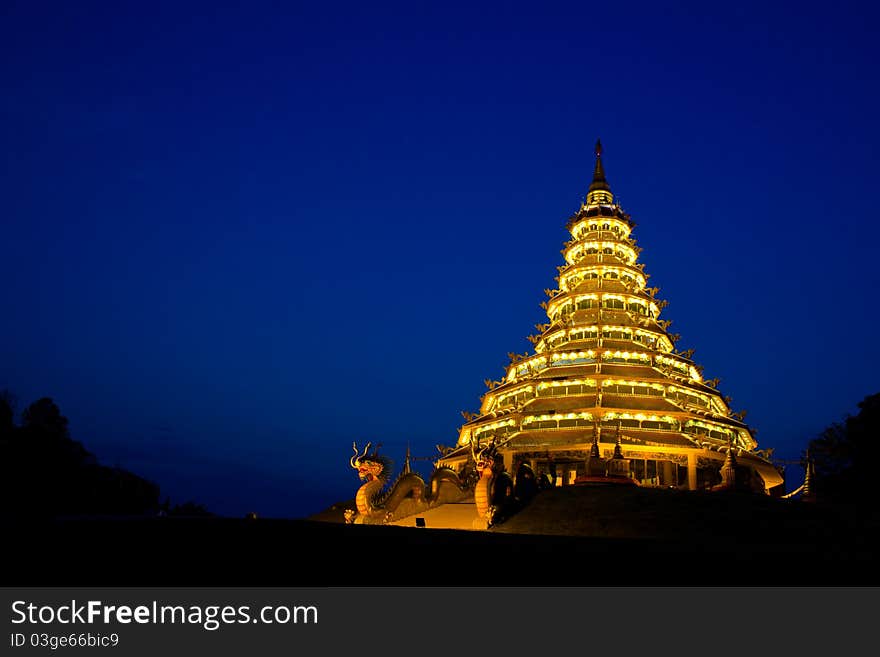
(493, 493)
(378, 503)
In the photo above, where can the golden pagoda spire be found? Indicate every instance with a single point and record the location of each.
(599, 192)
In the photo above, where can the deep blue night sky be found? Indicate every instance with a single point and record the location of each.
(235, 240)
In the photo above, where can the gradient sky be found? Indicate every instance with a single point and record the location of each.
(234, 240)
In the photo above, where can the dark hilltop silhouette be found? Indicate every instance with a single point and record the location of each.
(71, 521)
(45, 473)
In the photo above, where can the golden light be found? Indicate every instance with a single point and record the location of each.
(613, 343)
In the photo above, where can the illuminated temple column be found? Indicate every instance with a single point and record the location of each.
(692, 471)
(668, 479)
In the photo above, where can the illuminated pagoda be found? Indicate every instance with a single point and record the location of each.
(606, 379)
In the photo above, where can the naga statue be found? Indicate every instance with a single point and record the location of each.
(493, 493)
(378, 503)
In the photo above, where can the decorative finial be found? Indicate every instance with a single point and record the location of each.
(728, 468)
(406, 466)
(599, 183)
(618, 454)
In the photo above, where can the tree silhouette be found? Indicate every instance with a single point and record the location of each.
(44, 472)
(846, 455)
(44, 418)
(45, 430)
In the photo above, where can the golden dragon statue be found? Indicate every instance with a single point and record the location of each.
(378, 502)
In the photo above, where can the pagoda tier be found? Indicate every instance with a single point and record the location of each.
(605, 370)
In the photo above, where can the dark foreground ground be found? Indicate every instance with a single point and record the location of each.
(569, 536)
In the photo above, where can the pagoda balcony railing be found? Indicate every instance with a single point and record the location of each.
(607, 425)
(593, 390)
(669, 373)
(704, 435)
(643, 395)
(689, 405)
(612, 426)
(604, 235)
(558, 342)
(587, 259)
(651, 361)
(572, 361)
